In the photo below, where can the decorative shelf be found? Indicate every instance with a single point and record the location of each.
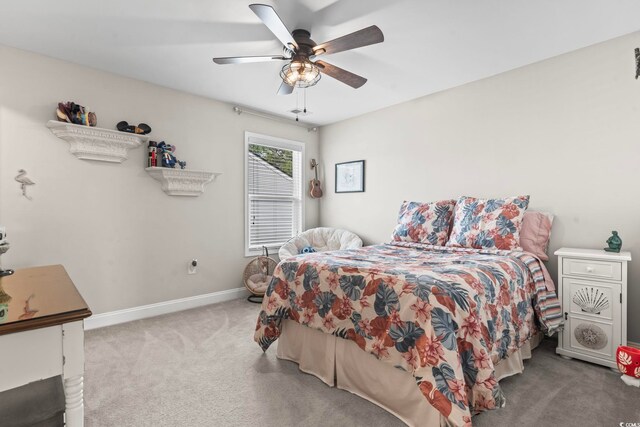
(92, 143)
(182, 182)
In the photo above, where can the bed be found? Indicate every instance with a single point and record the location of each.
(424, 331)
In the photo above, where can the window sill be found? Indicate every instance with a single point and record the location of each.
(251, 253)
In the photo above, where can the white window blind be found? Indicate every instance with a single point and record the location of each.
(274, 191)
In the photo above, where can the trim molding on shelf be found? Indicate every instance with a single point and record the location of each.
(182, 182)
(92, 143)
(157, 309)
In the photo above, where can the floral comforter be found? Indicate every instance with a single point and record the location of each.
(446, 315)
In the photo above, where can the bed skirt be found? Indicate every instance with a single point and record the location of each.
(341, 363)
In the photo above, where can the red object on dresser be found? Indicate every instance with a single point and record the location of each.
(628, 361)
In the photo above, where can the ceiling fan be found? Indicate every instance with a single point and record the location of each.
(300, 51)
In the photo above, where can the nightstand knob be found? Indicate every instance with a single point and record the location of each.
(589, 269)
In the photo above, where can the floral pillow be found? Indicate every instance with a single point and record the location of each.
(488, 223)
(424, 222)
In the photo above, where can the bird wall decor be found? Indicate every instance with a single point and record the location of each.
(24, 182)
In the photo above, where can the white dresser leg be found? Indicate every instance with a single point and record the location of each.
(74, 401)
(73, 373)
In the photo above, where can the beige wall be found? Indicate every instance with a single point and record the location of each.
(566, 131)
(123, 241)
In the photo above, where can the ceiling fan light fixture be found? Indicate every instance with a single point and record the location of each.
(301, 73)
(298, 47)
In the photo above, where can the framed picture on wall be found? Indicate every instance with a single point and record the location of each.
(350, 177)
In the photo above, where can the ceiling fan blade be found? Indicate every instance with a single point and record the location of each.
(285, 89)
(271, 19)
(360, 38)
(346, 77)
(246, 59)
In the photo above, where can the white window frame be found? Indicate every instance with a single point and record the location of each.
(274, 142)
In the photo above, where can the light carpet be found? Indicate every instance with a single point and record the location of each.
(201, 368)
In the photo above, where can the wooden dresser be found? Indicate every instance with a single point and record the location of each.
(42, 333)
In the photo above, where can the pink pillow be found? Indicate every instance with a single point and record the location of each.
(535, 233)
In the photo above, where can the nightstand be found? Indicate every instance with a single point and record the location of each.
(592, 285)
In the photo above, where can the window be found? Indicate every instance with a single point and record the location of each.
(273, 202)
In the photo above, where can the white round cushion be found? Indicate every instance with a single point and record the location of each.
(322, 239)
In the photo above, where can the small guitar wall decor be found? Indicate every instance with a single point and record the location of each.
(315, 190)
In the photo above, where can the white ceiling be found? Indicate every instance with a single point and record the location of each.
(430, 45)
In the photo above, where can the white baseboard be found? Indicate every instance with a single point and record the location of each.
(151, 310)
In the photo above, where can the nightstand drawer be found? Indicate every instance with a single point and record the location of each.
(587, 268)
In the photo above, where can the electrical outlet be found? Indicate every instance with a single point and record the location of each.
(192, 268)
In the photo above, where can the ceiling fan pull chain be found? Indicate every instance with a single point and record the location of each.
(305, 100)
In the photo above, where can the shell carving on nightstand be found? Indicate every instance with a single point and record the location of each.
(591, 300)
(591, 336)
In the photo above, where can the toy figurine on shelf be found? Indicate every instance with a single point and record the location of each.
(141, 129)
(614, 242)
(152, 160)
(167, 158)
(71, 112)
(165, 151)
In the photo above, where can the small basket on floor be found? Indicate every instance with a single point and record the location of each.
(257, 276)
